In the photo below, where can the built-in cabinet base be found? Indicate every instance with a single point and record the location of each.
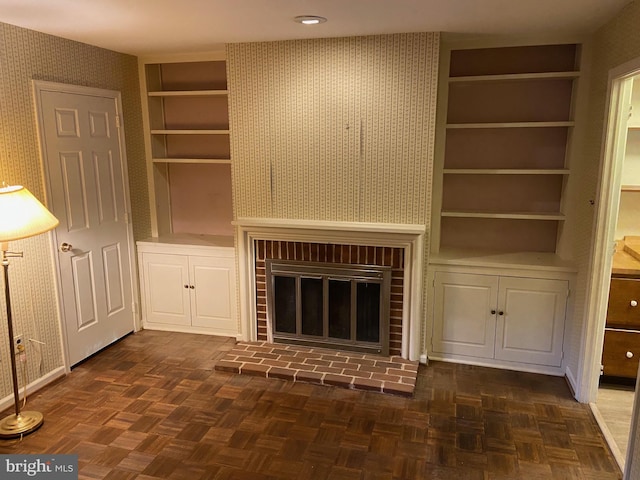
(501, 317)
(189, 287)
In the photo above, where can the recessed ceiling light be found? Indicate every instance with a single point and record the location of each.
(310, 19)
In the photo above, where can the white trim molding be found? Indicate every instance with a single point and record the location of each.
(34, 386)
(409, 237)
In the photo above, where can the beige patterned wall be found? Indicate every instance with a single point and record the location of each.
(334, 129)
(27, 55)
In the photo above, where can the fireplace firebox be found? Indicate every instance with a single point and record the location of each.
(331, 254)
(330, 305)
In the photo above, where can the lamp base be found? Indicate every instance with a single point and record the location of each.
(22, 424)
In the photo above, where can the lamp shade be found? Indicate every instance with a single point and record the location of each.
(22, 215)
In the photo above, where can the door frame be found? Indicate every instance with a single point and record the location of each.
(39, 86)
(606, 214)
(601, 255)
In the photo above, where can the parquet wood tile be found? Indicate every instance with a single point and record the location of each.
(153, 407)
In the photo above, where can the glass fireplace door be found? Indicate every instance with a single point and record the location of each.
(329, 305)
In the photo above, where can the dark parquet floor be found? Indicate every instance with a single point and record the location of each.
(153, 407)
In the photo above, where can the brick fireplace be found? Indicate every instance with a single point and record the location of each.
(331, 254)
(398, 247)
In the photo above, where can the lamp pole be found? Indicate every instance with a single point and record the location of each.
(12, 350)
(18, 424)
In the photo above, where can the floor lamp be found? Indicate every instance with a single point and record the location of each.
(21, 216)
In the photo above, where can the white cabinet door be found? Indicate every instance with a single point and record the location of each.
(513, 319)
(166, 289)
(213, 299)
(190, 293)
(531, 326)
(464, 313)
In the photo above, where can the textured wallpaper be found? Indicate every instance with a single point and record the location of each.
(27, 55)
(334, 129)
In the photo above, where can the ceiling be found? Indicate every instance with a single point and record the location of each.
(147, 27)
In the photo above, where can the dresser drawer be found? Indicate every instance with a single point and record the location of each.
(618, 344)
(623, 294)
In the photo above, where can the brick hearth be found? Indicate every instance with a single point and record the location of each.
(322, 366)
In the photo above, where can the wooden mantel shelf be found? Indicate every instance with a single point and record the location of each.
(285, 223)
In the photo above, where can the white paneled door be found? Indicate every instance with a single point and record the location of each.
(465, 313)
(83, 153)
(532, 325)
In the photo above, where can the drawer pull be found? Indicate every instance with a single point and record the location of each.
(629, 354)
(634, 303)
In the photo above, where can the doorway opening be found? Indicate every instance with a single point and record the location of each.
(613, 346)
(621, 345)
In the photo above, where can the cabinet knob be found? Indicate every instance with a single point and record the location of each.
(500, 312)
(192, 286)
(634, 303)
(629, 354)
(186, 286)
(493, 312)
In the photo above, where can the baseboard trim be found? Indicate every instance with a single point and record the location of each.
(571, 381)
(608, 437)
(189, 329)
(34, 386)
(519, 367)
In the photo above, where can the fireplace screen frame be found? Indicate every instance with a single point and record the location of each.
(355, 274)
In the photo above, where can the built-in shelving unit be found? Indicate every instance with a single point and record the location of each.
(486, 125)
(515, 76)
(505, 171)
(188, 145)
(187, 268)
(498, 278)
(504, 164)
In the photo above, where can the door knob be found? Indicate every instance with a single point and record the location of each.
(65, 247)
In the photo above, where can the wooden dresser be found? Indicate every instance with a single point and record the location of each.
(621, 352)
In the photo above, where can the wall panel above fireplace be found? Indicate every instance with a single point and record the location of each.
(335, 129)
